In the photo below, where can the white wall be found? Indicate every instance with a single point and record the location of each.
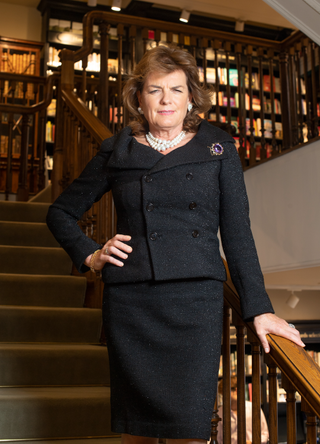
(284, 196)
(20, 22)
(301, 14)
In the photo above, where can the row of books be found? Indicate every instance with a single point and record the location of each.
(18, 63)
(256, 102)
(257, 126)
(50, 131)
(314, 355)
(234, 78)
(18, 92)
(233, 364)
(16, 144)
(93, 62)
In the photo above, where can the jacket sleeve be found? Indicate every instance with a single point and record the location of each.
(69, 207)
(237, 239)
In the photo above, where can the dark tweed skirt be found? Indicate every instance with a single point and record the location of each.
(164, 342)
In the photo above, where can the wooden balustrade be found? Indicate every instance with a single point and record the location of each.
(275, 84)
(299, 373)
(22, 164)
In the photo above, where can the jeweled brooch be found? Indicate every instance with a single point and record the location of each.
(216, 149)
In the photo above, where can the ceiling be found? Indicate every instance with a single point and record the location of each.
(252, 11)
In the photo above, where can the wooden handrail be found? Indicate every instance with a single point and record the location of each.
(114, 19)
(97, 129)
(293, 360)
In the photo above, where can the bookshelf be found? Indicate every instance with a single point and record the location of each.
(19, 57)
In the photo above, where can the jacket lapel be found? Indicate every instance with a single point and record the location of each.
(129, 154)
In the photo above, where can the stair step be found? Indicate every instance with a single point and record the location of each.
(61, 412)
(34, 260)
(42, 290)
(23, 211)
(53, 365)
(111, 440)
(50, 324)
(26, 234)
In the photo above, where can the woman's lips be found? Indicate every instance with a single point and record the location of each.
(166, 112)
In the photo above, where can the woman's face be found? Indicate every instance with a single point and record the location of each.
(164, 101)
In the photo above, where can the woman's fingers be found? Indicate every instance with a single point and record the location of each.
(116, 248)
(270, 323)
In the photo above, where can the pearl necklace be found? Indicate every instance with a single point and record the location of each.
(162, 145)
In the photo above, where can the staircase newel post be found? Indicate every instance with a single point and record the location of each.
(66, 83)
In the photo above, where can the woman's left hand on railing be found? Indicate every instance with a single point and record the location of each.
(269, 323)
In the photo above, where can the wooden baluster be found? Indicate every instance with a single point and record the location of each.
(193, 45)
(311, 422)
(13, 87)
(216, 46)
(204, 46)
(181, 40)
(305, 44)
(242, 108)
(145, 37)
(84, 79)
(314, 95)
(285, 100)
(241, 378)
(273, 399)
(42, 148)
(132, 38)
(1, 91)
(227, 49)
(252, 157)
(273, 116)
(263, 154)
(300, 111)
(256, 389)
(23, 190)
(291, 410)
(226, 376)
(119, 101)
(8, 189)
(293, 94)
(24, 93)
(214, 423)
(157, 36)
(103, 98)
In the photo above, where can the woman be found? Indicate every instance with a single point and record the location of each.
(175, 179)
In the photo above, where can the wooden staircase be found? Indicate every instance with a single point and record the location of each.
(54, 373)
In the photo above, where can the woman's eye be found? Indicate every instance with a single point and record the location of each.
(178, 90)
(153, 91)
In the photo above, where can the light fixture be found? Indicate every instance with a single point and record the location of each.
(116, 5)
(92, 3)
(184, 17)
(239, 26)
(293, 300)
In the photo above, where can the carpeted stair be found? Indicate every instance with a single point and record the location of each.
(54, 376)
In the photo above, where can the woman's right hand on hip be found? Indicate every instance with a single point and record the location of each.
(112, 250)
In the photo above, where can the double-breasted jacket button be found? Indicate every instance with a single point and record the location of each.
(148, 178)
(150, 207)
(195, 233)
(192, 205)
(189, 176)
(153, 236)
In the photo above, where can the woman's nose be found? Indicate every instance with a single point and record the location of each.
(165, 97)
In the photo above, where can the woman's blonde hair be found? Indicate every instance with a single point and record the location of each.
(166, 59)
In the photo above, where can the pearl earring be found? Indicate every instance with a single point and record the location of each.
(140, 110)
(190, 106)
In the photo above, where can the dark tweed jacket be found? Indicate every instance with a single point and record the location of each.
(172, 206)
